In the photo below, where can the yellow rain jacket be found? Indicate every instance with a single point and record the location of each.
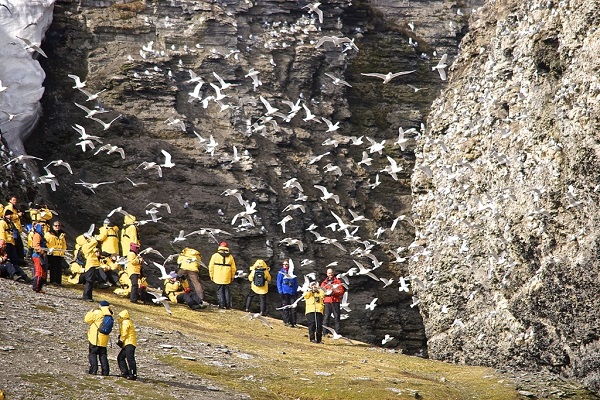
(94, 318)
(174, 289)
(264, 289)
(129, 234)
(109, 237)
(89, 252)
(134, 264)
(189, 259)
(14, 217)
(315, 301)
(222, 267)
(126, 329)
(6, 231)
(56, 242)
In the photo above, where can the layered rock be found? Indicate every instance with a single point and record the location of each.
(505, 193)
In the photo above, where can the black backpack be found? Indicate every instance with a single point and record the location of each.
(107, 324)
(259, 277)
(80, 258)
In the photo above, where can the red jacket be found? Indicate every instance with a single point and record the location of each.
(333, 290)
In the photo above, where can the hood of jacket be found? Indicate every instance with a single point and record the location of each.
(128, 219)
(223, 250)
(260, 264)
(123, 315)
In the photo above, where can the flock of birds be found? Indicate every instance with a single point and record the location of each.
(273, 117)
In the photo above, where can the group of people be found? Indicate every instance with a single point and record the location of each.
(101, 321)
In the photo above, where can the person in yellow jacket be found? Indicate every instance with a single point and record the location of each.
(178, 291)
(108, 237)
(315, 304)
(189, 265)
(56, 240)
(260, 278)
(222, 272)
(16, 219)
(92, 261)
(98, 341)
(127, 342)
(134, 270)
(129, 234)
(9, 233)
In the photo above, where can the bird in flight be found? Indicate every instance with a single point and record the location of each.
(389, 76)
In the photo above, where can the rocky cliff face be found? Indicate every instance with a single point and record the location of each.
(505, 193)
(141, 54)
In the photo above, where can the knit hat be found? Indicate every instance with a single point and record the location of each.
(104, 303)
(134, 247)
(223, 244)
(8, 212)
(106, 221)
(173, 274)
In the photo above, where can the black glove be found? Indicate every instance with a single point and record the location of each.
(120, 343)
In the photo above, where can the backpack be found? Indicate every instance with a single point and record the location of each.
(107, 324)
(259, 277)
(80, 258)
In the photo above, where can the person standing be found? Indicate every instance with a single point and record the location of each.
(189, 265)
(108, 237)
(129, 233)
(287, 287)
(16, 220)
(334, 290)
(222, 272)
(39, 257)
(134, 270)
(314, 298)
(56, 240)
(9, 233)
(128, 343)
(260, 278)
(97, 340)
(90, 269)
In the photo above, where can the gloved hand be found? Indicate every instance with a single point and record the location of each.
(120, 343)
(187, 290)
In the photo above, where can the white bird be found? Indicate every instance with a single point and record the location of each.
(106, 125)
(293, 242)
(291, 207)
(415, 302)
(119, 210)
(341, 223)
(294, 107)
(344, 304)
(195, 94)
(376, 183)
(386, 282)
(2, 87)
(403, 285)
(270, 109)
(57, 163)
(330, 126)
(309, 115)
(21, 158)
(337, 336)
(92, 186)
(163, 272)
(337, 81)
(441, 67)
(365, 271)
(327, 195)
(84, 144)
(180, 238)
(318, 158)
(253, 74)
(389, 76)
(356, 217)
(416, 89)
(151, 165)
(371, 306)
(30, 45)
(401, 141)
(91, 96)
(151, 250)
(293, 305)
(386, 339)
(285, 220)
(78, 83)
(168, 163)
(84, 136)
(90, 112)
(220, 96)
(293, 183)
(193, 77)
(162, 300)
(314, 8)
(111, 149)
(259, 317)
(392, 168)
(158, 205)
(366, 160)
(376, 146)
(224, 85)
(135, 184)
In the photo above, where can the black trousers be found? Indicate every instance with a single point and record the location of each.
(126, 360)
(224, 296)
(315, 326)
(95, 353)
(332, 308)
(263, 301)
(89, 277)
(55, 269)
(134, 295)
(289, 314)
